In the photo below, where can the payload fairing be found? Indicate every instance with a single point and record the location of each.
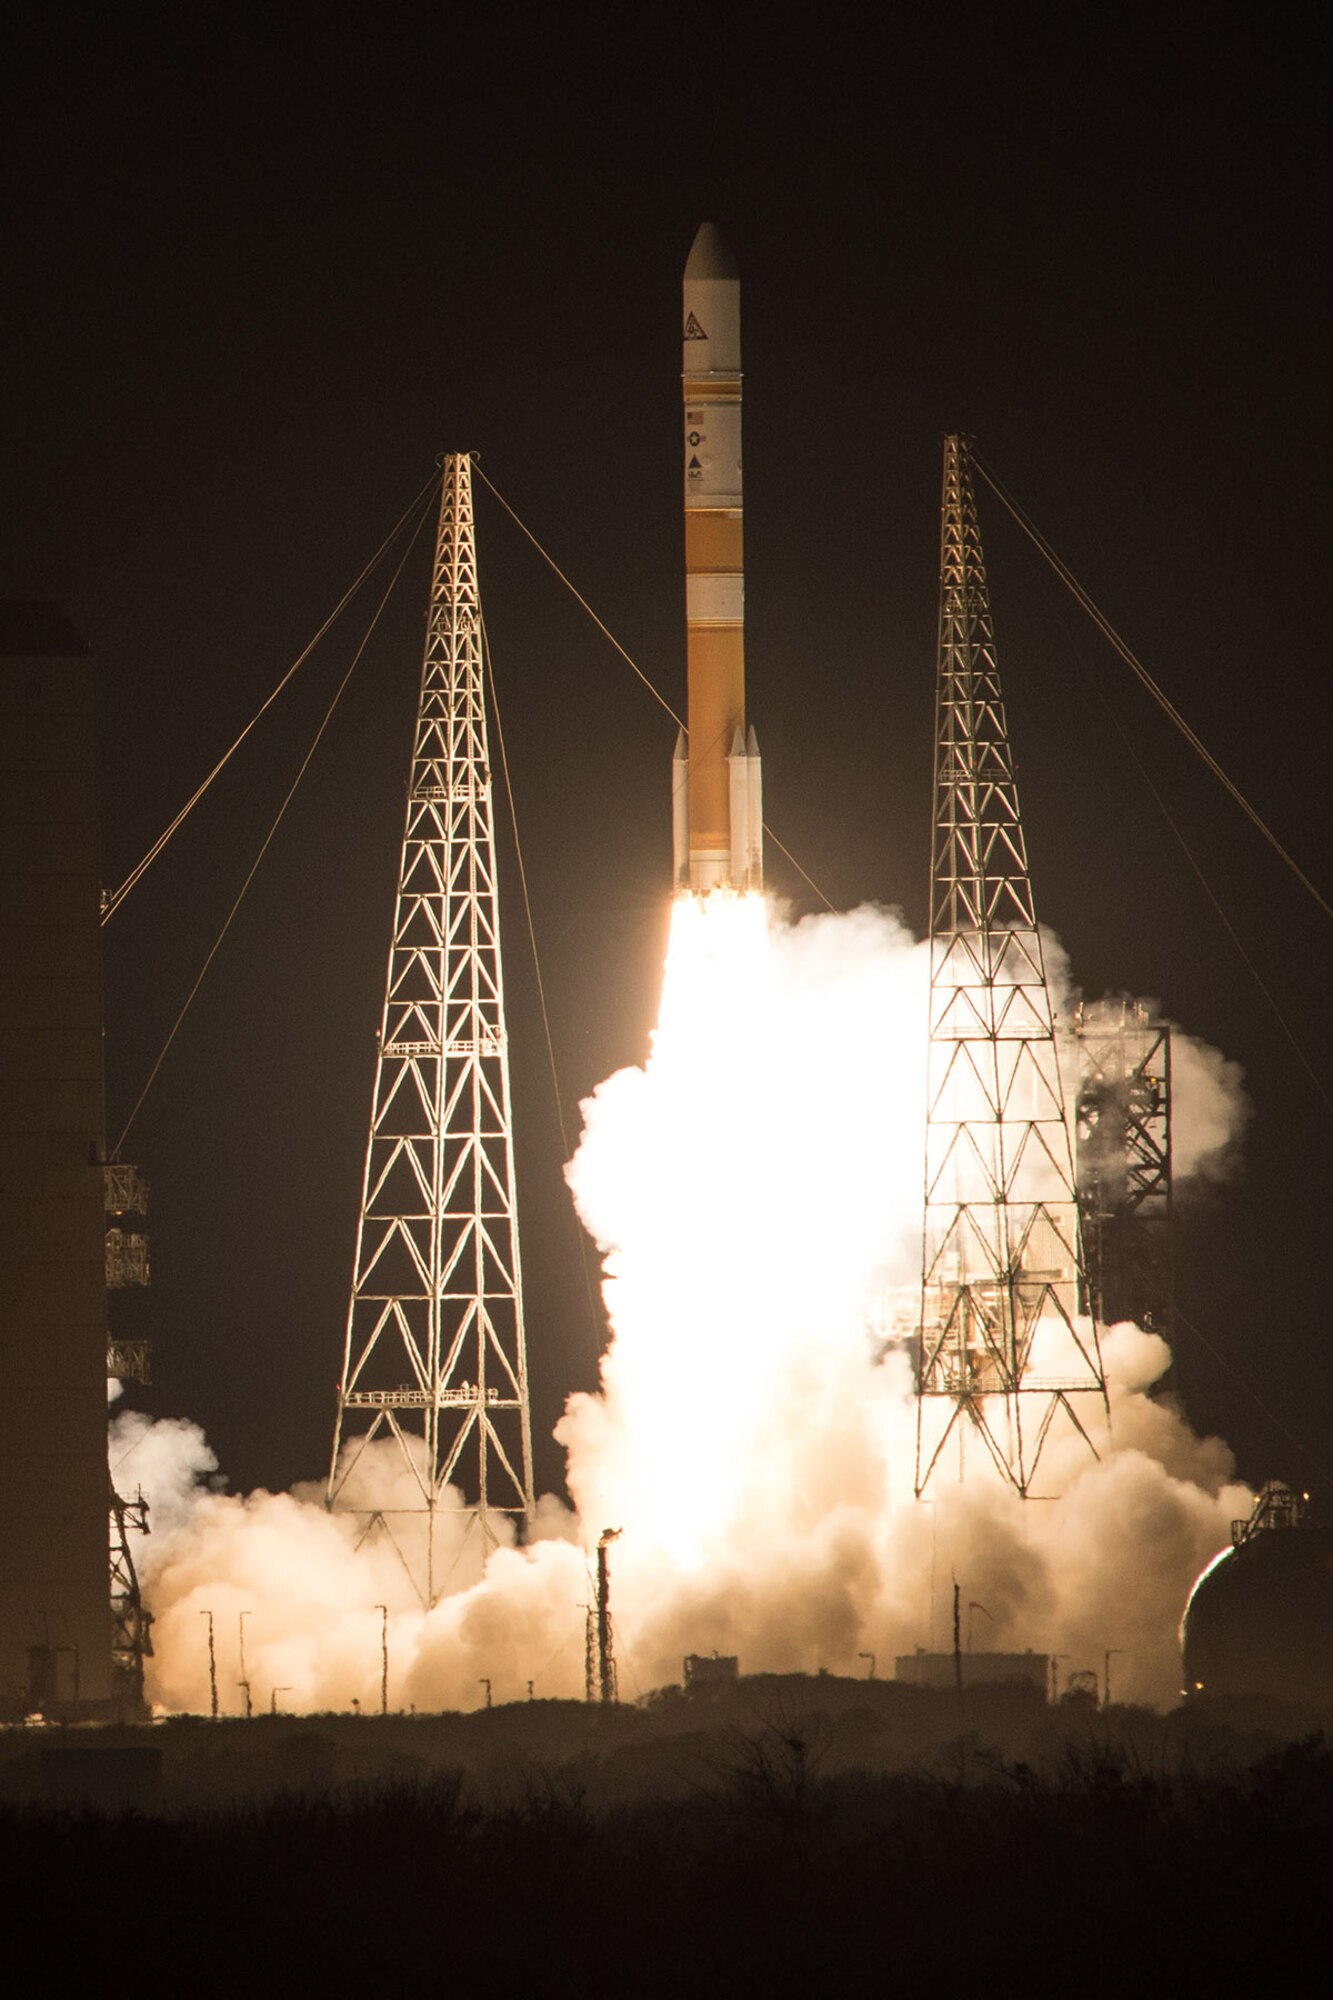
(717, 800)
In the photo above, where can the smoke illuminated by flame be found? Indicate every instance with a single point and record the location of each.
(755, 1190)
(748, 1210)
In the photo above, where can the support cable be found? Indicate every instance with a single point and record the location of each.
(1213, 898)
(1141, 673)
(606, 633)
(1311, 1456)
(632, 664)
(1188, 852)
(268, 837)
(807, 878)
(116, 898)
(594, 1317)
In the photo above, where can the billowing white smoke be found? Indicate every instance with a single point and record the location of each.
(315, 1633)
(755, 1190)
(1209, 1108)
(1209, 1112)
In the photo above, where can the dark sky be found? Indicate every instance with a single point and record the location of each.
(259, 277)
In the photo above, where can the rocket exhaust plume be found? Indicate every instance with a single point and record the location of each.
(717, 803)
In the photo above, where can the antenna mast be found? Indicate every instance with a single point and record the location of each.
(1003, 1350)
(435, 1356)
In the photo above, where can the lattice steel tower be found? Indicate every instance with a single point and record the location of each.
(1004, 1351)
(435, 1355)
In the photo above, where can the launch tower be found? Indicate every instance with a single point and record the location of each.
(1006, 1357)
(435, 1355)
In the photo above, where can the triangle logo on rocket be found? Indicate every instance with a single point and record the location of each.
(693, 330)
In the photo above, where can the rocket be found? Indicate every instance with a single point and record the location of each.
(717, 815)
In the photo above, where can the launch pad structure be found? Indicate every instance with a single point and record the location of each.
(55, 1626)
(1123, 1120)
(1007, 1348)
(435, 1357)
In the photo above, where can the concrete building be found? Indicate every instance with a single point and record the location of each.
(969, 1670)
(55, 1626)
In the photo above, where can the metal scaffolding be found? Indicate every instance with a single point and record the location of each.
(1124, 1163)
(435, 1355)
(1005, 1350)
(131, 1621)
(127, 1361)
(126, 1243)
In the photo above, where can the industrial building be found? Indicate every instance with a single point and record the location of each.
(55, 1626)
(974, 1670)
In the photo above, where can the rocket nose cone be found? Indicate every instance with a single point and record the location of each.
(709, 255)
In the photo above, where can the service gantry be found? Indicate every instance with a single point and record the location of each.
(435, 1357)
(1007, 1352)
(1123, 1154)
(127, 1264)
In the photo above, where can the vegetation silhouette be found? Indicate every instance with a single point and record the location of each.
(1114, 1861)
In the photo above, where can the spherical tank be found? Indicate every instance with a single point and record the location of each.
(1259, 1620)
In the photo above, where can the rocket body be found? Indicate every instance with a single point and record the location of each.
(717, 819)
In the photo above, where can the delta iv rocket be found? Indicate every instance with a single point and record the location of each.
(717, 804)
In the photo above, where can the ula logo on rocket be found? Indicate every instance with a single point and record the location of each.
(693, 330)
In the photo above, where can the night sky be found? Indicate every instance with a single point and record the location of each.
(256, 285)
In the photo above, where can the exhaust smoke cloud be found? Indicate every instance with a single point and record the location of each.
(755, 1192)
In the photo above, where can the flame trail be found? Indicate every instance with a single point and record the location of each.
(755, 1191)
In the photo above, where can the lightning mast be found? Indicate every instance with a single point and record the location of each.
(435, 1356)
(1005, 1352)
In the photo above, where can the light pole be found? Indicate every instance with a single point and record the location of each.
(1112, 1652)
(870, 1671)
(486, 1684)
(383, 1610)
(273, 1699)
(212, 1667)
(244, 1681)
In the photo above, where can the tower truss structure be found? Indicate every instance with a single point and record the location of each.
(435, 1358)
(1123, 1125)
(1007, 1356)
(131, 1621)
(127, 1361)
